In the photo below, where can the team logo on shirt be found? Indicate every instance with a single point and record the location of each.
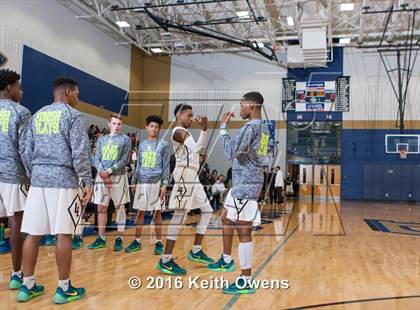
(47, 122)
(110, 151)
(263, 148)
(4, 120)
(149, 158)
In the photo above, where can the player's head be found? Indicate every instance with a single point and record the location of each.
(251, 104)
(66, 90)
(153, 123)
(115, 124)
(10, 85)
(221, 178)
(184, 115)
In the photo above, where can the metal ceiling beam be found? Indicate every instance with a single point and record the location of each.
(155, 6)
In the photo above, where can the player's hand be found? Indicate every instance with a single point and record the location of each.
(202, 121)
(133, 188)
(162, 193)
(226, 117)
(106, 178)
(103, 174)
(87, 195)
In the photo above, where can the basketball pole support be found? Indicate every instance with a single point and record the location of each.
(405, 69)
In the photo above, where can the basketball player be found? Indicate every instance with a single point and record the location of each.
(56, 156)
(149, 182)
(14, 120)
(248, 152)
(111, 157)
(187, 192)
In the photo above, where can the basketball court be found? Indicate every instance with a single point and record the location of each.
(338, 168)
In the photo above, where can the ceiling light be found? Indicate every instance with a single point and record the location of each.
(290, 21)
(345, 40)
(346, 6)
(122, 24)
(242, 14)
(139, 10)
(260, 44)
(156, 50)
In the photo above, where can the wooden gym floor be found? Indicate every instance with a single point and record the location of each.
(329, 254)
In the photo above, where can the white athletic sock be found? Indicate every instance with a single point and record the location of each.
(245, 254)
(29, 282)
(227, 258)
(121, 219)
(17, 273)
(64, 284)
(166, 258)
(102, 237)
(196, 248)
(158, 241)
(138, 240)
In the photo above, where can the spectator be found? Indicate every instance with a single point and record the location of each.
(218, 189)
(271, 182)
(213, 177)
(279, 185)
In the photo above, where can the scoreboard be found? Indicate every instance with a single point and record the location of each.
(317, 96)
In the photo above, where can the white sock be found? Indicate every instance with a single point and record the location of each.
(158, 241)
(196, 248)
(245, 254)
(29, 282)
(17, 273)
(64, 284)
(121, 219)
(138, 240)
(227, 258)
(102, 237)
(166, 258)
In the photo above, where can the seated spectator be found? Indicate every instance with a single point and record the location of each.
(218, 190)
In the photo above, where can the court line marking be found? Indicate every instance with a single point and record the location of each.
(355, 301)
(235, 298)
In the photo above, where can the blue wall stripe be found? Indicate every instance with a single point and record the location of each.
(40, 70)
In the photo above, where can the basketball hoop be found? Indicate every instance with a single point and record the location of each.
(403, 154)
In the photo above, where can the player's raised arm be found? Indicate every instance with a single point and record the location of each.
(239, 145)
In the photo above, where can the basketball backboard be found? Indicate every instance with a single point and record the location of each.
(395, 143)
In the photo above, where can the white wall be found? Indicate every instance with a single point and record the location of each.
(225, 76)
(103, 123)
(372, 97)
(50, 28)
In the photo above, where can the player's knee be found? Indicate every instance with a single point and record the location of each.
(102, 209)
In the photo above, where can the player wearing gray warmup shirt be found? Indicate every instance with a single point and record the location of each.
(14, 119)
(149, 182)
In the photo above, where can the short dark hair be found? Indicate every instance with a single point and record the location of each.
(254, 96)
(8, 77)
(64, 81)
(155, 119)
(182, 107)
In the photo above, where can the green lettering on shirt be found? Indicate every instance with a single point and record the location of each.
(149, 159)
(263, 148)
(110, 151)
(4, 120)
(47, 122)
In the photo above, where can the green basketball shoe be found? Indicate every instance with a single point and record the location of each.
(72, 294)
